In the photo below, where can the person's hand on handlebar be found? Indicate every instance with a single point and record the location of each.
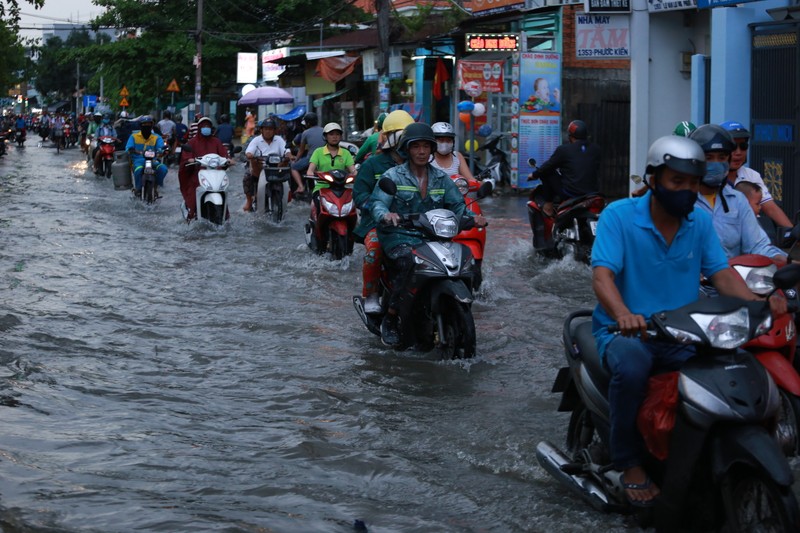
(631, 324)
(480, 221)
(392, 219)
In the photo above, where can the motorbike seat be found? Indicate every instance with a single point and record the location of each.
(582, 335)
(569, 203)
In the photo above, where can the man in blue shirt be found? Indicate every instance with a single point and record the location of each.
(648, 257)
(734, 221)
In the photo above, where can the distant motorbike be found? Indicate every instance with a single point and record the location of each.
(149, 180)
(211, 193)
(573, 228)
(19, 137)
(440, 315)
(107, 147)
(269, 191)
(332, 220)
(475, 237)
(498, 166)
(721, 469)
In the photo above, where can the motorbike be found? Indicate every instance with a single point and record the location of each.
(440, 314)
(776, 348)
(498, 166)
(3, 138)
(211, 194)
(269, 191)
(149, 180)
(19, 137)
(573, 228)
(722, 467)
(107, 147)
(474, 238)
(333, 217)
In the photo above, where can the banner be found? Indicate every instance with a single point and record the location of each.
(602, 36)
(539, 111)
(475, 77)
(657, 6)
(246, 67)
(271, 71)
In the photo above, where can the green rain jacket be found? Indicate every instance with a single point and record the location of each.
(442, 193)
(367, 178)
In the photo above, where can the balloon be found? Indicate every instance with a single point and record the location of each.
(485, 130)
(465, 117)
(479, 109)
(474, 145)
(465, 106)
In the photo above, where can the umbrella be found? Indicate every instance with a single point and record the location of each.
(266, 95)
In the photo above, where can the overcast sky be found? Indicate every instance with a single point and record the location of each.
(53, 12)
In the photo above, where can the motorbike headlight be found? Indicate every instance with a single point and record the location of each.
(725, 331)
(332, 208)
(204, 182)
(758, 279)
(443, 222)
(462, 184)
(224, 182)
(346, 208)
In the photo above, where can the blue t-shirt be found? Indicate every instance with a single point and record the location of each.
(650, 275)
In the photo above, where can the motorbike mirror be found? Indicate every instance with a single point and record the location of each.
(485, 189)
(531, 162)
(787, 277)
(388, 186)
(637, 179)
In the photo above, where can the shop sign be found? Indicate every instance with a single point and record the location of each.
(607, 6)
(476, 77)
(602, 36)
(657, 6)
(492, 42)
(489, 7)
(271, 71)
(704, 4)
(246, 67)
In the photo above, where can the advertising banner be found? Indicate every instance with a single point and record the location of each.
(246, 67)
(475, 77)
(490, 7)
(602, 36)
(539, 110)
(271, 71)
(656, 6)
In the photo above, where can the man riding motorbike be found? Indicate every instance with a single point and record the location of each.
(421, 187)
(577, 161)
(330, 156)
(202, 144)
(138, 142)
(310, 140)
(368, 175)
(105, 130)
(265, 144)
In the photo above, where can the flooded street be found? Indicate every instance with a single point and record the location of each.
(159, 376)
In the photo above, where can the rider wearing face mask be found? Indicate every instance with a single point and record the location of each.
(204, 143)
(138, 143)
(446, 158)
(734, 221)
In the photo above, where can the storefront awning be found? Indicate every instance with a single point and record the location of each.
(300, 59)
(319, 101)
(294, 114)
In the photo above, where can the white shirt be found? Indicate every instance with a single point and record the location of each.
(748, 174)
(259, 147)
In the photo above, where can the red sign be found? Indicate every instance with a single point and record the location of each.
(491, 42)
(484, 75)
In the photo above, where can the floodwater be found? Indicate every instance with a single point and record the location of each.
(159, 376)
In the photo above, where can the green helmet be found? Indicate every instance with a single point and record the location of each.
(684, 128)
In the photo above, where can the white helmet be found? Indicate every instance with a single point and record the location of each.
(331, 126)
(678, 153)
(443, 129)
(123, 114)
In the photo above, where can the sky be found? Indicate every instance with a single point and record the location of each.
(55, 11)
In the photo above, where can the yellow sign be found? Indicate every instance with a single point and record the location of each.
(173, 87)
(124, 102)
(124, 92)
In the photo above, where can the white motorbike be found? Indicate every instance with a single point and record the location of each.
(211, 194)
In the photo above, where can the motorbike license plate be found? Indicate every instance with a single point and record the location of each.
(593, 227)
(149, 154)
(177, 149)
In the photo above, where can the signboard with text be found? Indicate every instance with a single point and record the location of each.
(271, 71)
(492, 42)
(602, 36)
(657, 6)
(479, 76)
(246, 67)
(706, 4)
(607, 6)
(489, 7)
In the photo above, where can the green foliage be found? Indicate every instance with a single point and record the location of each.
(57, 67)
(12, 60)
(9, 11)
(427, 17)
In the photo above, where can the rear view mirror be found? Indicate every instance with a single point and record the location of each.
(787, 277)
(388, 186)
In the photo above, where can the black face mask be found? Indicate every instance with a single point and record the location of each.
(146, 132)
(677, 203)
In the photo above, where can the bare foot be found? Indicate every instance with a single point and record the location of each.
(638, 486)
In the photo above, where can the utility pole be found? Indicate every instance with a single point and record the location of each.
(198, 58)
(382, 7)
(77, 88)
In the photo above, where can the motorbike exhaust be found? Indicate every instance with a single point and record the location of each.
(556, 464)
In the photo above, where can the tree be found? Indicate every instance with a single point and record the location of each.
(57, 66)
(9, 11)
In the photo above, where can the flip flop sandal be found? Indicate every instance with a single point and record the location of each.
(638, 486)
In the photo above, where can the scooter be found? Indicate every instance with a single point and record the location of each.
(107, 147)
(573, 228)
(498, 165)
(19, 137)
(474, 238)
(211, 194)
(333, 216)
(149, 181)
(269, 191)
(440, 313)
(721, 468)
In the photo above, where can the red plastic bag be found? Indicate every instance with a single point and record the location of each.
(656, 416)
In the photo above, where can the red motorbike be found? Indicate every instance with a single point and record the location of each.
(474, 238)
(333, 216)
(107, 147)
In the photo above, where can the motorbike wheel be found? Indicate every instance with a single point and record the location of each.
(338, 246)
(459, 331)
(755, 503)
(216, 214)
(107, 168)
(149, 194)
(787, 430)
(276, 199)
(582, 435)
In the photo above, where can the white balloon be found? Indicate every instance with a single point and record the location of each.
(479, 109)
(247, 88)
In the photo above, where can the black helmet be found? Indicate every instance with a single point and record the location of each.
(268, 123)
(418, 131)
(577, 129)
(310, 119)
(713, 138)
(223, 118)
(146, 119)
